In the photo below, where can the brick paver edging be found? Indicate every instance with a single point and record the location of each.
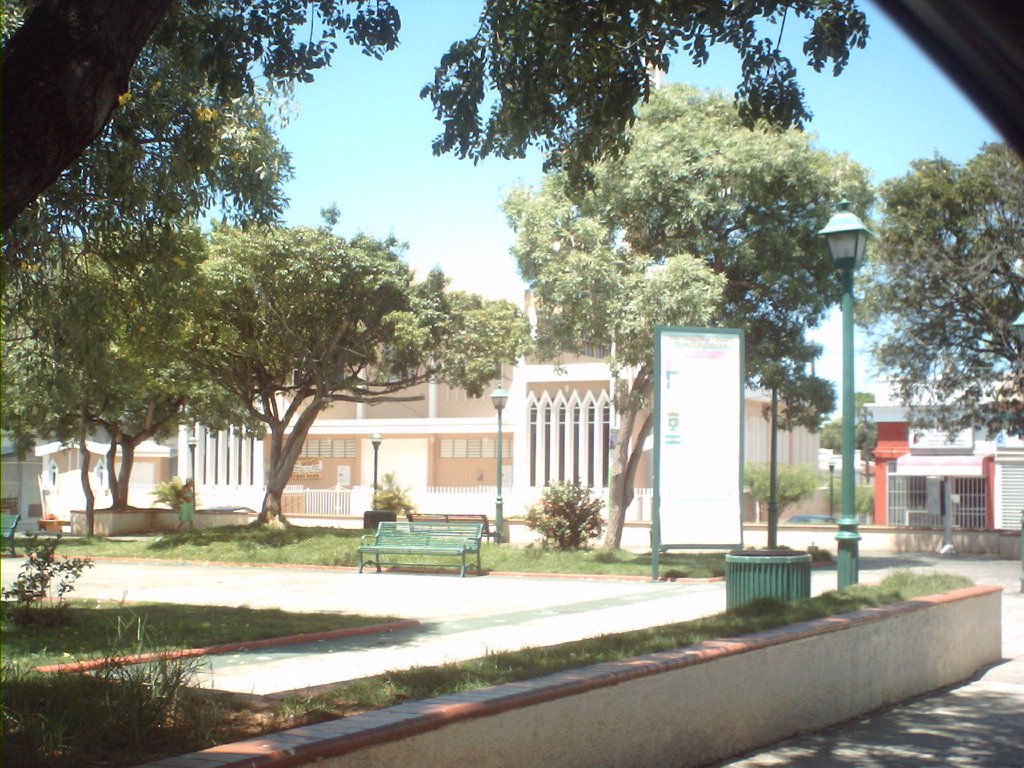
(182, 653)
(301, 746)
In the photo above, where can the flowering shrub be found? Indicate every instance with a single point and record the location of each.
(567, 515)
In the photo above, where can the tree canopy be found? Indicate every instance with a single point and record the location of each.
(568, 76)
(301, 318)
(704, 222)
(564, 76)
(97, 347)
(946, 280)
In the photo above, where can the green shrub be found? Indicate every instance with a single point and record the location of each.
(568, 516)
(391, 496)
(172, 493)
(796, 483)
(34, 586)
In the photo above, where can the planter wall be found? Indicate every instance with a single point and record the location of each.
(143, 521)
(686, 707)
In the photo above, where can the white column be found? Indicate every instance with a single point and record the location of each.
(432, 388)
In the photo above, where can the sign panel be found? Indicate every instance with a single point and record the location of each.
(940, 441)
(308, 468)
(698, 433)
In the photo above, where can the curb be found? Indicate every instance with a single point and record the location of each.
(243, 645)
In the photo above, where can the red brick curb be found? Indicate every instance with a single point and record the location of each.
(309, 637)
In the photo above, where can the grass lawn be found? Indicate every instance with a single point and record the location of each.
(99, 629)
(334, 546)
(127, 717)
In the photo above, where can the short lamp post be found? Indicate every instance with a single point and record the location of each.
(1017, 326)
(847, 238)
(831, 489)
(499, 397)
(192, 442)
(375, 442)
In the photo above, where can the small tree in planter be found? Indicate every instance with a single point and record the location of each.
(391, 497)
(568, 516)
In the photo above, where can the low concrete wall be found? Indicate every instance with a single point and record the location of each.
(880, 538)
(143, 521)
(685, 707)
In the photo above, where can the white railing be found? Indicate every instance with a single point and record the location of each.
(329, 502)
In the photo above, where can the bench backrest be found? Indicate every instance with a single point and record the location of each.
(9, 522)
(426, 533)
(419, 517)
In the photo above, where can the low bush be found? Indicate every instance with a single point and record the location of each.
(36, 599)
(568, 516)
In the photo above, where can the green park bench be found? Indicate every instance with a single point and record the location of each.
(9, 523)
(418, 517)
(423, 539)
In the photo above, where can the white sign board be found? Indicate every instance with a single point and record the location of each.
(698, 433)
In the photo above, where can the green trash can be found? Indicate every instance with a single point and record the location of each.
(780, 574)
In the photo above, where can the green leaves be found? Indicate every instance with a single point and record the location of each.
(944, 284)
(567, 77)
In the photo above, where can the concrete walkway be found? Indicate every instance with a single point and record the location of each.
(977, 724)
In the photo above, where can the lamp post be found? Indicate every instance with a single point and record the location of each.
(832, 489)
(499, 397)
(375, 442)
(1017, 326)
(847, 237)
(192, 442)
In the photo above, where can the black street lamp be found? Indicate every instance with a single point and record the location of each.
(832, 489)
(499, 397)
(847, 238)
(375, 442)
(192, 442)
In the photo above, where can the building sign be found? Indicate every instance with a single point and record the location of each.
(308, 469)
(698, 437)
(940, 441)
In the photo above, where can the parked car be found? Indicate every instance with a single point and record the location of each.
(810, 520)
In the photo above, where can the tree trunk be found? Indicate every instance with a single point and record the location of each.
(284, 452)
(63, 72)
(119, 491)
(90, 498)
(111, 474)
(627, 459)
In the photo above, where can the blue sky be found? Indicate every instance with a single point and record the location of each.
(361, 138)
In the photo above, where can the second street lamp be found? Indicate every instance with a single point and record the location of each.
(499, 397)
(847, 238)
(375, 442)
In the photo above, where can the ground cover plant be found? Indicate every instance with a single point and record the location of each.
(124, 714)
(297, 545)
(41, 713)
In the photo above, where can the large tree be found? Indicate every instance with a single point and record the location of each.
(946, 280)
(302, 318)
(566, 76)
(103, 348)
(748, 205)
(592, 289)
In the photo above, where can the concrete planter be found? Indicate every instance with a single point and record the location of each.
(374, 517)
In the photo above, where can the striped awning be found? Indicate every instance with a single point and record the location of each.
(951, 466)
